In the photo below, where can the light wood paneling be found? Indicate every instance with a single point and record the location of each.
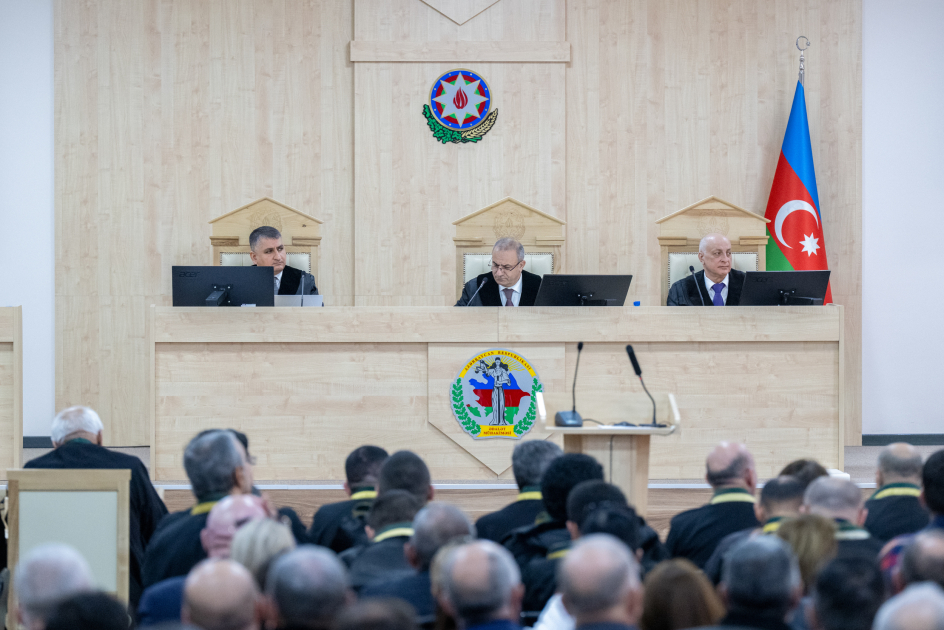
(457, 52)
(11, 388)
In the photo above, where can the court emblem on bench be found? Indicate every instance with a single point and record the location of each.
(458, 108)
(493, 395)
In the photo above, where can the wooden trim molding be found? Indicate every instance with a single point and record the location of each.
(456, 52)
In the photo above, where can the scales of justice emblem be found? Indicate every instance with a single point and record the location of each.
(458, 107)
(493, 396)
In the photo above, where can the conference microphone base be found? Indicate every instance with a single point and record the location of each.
(568, 419)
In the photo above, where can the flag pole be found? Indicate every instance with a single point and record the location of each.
(802, 58)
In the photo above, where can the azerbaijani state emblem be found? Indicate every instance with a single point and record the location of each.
(493, 395)
(458, 108)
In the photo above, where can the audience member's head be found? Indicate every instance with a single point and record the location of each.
(90, 611)
(307, 588)
(813, 540)
(225, 518)
(599, 582)
(44, 578)
(257, 543)
(588, 497)
(391, 508)
(404, 470)
(362, 467)
(923, 560)
(377, 614)
(530, 459)
(805, 471)
(677, 596)
(434, 526)
(779, 498)
(620, 522)
(847, 594)
(761, 577)
(898, 463)
(932, 482)
(217, 464)
(76, 422)
(835, 497)
(731, 465)
(918, 607)
(221, 595)
(562, 475)
(481, 583)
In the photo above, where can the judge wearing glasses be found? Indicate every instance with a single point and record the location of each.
(508, 284)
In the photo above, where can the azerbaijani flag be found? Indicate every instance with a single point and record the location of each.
(796, 225)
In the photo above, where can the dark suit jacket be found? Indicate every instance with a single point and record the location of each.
(146, 508)
(415, 589)
(377, 561)
(175, 548)
(497, 525)
(292, 280)
(333, 523)
(685, 292)
(161, 602)
(489, 295)
(694, 534)
(895, 515)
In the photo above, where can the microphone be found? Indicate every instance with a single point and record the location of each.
(697, 288)
(571, 418)
(638, 371)
(481, 284)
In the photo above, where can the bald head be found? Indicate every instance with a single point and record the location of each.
(599, 582)
(714, 253)
(899, 463)
(482, 583)
(731, 465)
(221, 595)
(918, 607)
(834, 497)
(225, 518)
(433, 527)
(923, 560)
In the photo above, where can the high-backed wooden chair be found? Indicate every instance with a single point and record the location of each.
(541, 234)
(682, 231)
(301, 234)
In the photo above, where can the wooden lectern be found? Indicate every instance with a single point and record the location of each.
(623, 450)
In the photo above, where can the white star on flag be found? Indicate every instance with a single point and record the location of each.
(810, 244)
(460, 99)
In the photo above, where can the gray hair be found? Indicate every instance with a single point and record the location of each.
(265, 231)
(48, 575)
(530, 459)
(891, 463)
(257, 542)
(832, 495)
(507, 244)
(761, 573)
(73, 419)
(434, 526)
(210, 460)
(478, 602)
(597, 574)
(308, 585)
(923, 560)
(918, 607)
(734, 471)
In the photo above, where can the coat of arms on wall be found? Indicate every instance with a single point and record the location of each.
(458, 108)
(493, 395)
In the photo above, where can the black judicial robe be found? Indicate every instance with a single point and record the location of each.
(381, 559)
(694, 534)
(340, 526)
(894, 510)
(176, 547)
(521, 513)
(685, 292)
(490, 296)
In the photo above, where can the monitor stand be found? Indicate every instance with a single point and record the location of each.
(586, 301)
(788, 298)
(219, 296)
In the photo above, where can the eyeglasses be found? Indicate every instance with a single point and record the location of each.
(505, 268)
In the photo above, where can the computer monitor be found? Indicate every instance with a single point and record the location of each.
(784, 288)
(573, 290)
(222, 286)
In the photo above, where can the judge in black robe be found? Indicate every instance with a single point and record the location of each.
(714, 253)
(491, 289)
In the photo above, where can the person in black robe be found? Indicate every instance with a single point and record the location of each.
(340, 526)
(718, 284)
(266, 250)
(508, 284)
(77, 440)
(895, 508)
(841, 500)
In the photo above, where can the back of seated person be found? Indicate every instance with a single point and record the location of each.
(221, 595)
(46, 576)
(761, 584)
(90, 611)
(804, 470)
(377, 614)
(340, 526)
(918, 607)
(895, 508)
(529, 460)
(847, 594)
(678, 595)
(405, 470)
(813, 541)
(306, 588)
(923, 560)
(841, 500)
(258, 543)
(389, 528)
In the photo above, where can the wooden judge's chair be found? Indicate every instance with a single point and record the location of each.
(301, 234)
(682, 231)
(541, 234)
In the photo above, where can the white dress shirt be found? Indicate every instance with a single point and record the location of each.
(724, 291)
(516, 296)
(278, 280)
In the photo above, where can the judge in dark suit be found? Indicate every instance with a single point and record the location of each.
(77, 437)
(266, 250)
(508, 284)
(717, 285)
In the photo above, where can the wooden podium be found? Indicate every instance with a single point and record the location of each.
(623, 450)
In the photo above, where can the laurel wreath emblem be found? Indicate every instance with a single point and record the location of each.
(472, 427)
(446, 135)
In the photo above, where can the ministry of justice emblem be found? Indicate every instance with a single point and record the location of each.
(493, 395)
(458, 108)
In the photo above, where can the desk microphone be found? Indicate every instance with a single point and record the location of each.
(638, 371)
(697, 288)
(481, 284)
(571, 418)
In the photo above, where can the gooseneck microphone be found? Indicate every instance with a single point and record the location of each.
(638, 371)
(697, 288)
(571, 418)
(481, 284)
